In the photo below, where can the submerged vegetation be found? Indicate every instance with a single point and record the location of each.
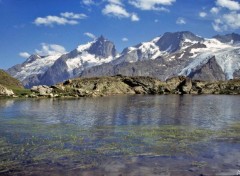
(78, 148)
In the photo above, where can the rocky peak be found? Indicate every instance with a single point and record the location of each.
(228, 38)
(103, 47)
(32, 58)
(171, 42)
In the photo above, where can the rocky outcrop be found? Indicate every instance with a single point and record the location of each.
(42, 90)
(129, 85)
(5, 92)
(179, 85)
(106, 86)
(210, 71)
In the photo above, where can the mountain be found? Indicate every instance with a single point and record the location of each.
(57, 68)
(228, 38)
(179, 53)
(172, 54)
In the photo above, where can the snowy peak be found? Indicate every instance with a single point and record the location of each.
(102, 48)
(228, 38)
(32, 58)
(171, 42)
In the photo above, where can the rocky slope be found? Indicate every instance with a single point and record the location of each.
(119, 85)
(172, 54)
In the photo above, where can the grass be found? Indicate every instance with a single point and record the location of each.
(8, 81)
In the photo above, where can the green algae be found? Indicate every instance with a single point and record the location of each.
(86, 148)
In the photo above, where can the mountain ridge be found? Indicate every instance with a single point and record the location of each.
(172, 54)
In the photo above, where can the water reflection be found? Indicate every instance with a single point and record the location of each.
(202, 111)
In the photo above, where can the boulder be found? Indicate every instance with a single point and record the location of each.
(5, 92)
(179, 85)
(42, 90)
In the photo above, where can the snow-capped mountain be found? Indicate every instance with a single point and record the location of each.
(159, 47)
(52, 69)
(178, 53)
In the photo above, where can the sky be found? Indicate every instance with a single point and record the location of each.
(47, 27)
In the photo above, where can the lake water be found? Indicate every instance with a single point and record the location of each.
(121, 135)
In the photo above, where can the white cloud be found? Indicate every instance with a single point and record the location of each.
(156, 20)
(52, 20)
(24, 55)
(214, 10)
(50, 49)
(88, 2)
(90, 35)
(230, 21)
(202, 14)
(118, 2)
(65, 18)
(119, 11)
(151, 4)
(134, 17)
(230, 4)
(181, 21)
(124, 39)
(115, 10)
(72, 15)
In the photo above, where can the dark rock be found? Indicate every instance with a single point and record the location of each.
(103, 48)
(235, 38)
(172, 41)
(210, 71)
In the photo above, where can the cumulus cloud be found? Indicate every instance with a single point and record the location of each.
(115, 10)
(87, 2)
(67, 18)
(134, 17)
(90, 35)
(50, 49)
(151, 4)
(202, 14)
(229, 4)
(124, 39)
(181, 21)
(230, 21)
(24, 55)
(214, 10)
(119, 11)
(72, 15)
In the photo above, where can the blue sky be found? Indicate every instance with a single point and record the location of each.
(49, 26)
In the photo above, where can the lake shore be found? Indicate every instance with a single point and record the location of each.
(127, 85)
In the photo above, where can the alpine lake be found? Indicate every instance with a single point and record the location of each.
(165, 135)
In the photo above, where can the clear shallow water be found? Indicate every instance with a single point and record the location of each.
(128, 135)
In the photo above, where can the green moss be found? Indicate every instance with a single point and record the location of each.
(199, 164)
